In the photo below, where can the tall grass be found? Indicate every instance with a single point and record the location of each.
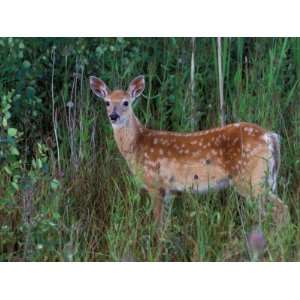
(97, 212)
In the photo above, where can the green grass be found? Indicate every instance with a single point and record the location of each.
(94, 210)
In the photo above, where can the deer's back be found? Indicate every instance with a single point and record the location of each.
(199, 160)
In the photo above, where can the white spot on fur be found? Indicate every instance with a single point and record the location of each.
(150, 163)
(235, 140)
(195, 154)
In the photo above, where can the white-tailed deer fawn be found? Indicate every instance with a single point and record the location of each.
(243, 155)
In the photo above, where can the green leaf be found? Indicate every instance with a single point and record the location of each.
(15, 185)
(4, 122)
(54, 184)
(14, 151)
(39, 163)
(56, 216)
(7, 170)
(12, 131)
(26, 64)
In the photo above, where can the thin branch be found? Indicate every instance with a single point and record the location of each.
(193, 108)
(221, 82)
(54, 115)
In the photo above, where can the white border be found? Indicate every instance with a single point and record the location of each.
(149, 18)
(149, 281)
(142, 280)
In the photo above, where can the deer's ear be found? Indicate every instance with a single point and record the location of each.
(99, 87)
(136, 87)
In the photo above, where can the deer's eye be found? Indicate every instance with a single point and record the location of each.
(125, 103)
(107, 103)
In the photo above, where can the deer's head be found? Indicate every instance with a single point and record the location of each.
(118, 102)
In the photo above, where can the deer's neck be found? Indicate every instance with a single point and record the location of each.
(127, 136)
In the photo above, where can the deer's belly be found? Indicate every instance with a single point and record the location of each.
(199, 176)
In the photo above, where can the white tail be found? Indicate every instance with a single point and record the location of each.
(243, 155)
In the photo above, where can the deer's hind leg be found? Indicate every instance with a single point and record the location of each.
(280, 210)
(255, 182)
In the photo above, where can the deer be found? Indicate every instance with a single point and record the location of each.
(242, 155)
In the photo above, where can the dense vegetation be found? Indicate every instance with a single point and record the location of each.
(66, 193)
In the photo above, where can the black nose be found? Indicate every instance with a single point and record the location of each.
(114, 116)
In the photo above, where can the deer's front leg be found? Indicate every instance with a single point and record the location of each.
(161, 204)
(157, 197)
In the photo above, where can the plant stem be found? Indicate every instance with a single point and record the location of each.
(221, 82)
